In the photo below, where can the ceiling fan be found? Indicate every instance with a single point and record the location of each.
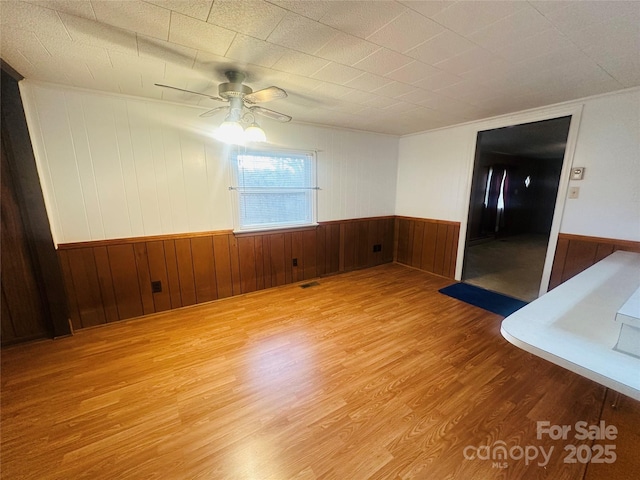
(241, 97)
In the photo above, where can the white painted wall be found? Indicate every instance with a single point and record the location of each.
(608, 147)
(432, 173)
(434, 168)
(115, 166)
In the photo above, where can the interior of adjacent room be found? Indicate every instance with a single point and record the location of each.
(513, 200)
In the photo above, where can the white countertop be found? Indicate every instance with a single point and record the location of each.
(574, 324)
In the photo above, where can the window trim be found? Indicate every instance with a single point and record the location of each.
(235, 189)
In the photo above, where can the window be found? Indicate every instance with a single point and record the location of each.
(274, 189)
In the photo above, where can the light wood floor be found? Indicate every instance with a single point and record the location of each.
(370, 374)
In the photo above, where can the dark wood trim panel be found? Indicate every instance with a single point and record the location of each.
(428, 220)
(575, 253)
(177, 236)
(150, 238)
(426, 244)
(23, 313)
(37, 253)
(356, 220)
(629, 245)
(112, 280)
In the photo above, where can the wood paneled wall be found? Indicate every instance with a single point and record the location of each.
(430, 245)
(575, 253)
(112, 280)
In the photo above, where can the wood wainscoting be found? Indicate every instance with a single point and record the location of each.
(112, 280)
(575, 253)
(430, 245)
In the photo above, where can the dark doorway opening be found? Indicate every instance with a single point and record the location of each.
(513, 195)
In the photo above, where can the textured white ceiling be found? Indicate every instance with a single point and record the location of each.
(382, 66)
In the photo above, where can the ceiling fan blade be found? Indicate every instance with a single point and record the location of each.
(213, 111)
(265, 95)
(265, 112)
(212, 97)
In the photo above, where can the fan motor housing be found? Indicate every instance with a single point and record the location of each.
(231, 90)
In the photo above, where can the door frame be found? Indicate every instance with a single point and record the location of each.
(575, 111)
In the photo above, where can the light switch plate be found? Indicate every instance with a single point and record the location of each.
(577, 173)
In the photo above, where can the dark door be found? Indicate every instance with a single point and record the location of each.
(23, 314)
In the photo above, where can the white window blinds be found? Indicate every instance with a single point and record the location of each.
(274, 189)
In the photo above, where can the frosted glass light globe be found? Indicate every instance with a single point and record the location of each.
(230, 132)
(255, 134)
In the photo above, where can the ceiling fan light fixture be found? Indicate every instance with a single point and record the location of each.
(242, 108)
(254, 133)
